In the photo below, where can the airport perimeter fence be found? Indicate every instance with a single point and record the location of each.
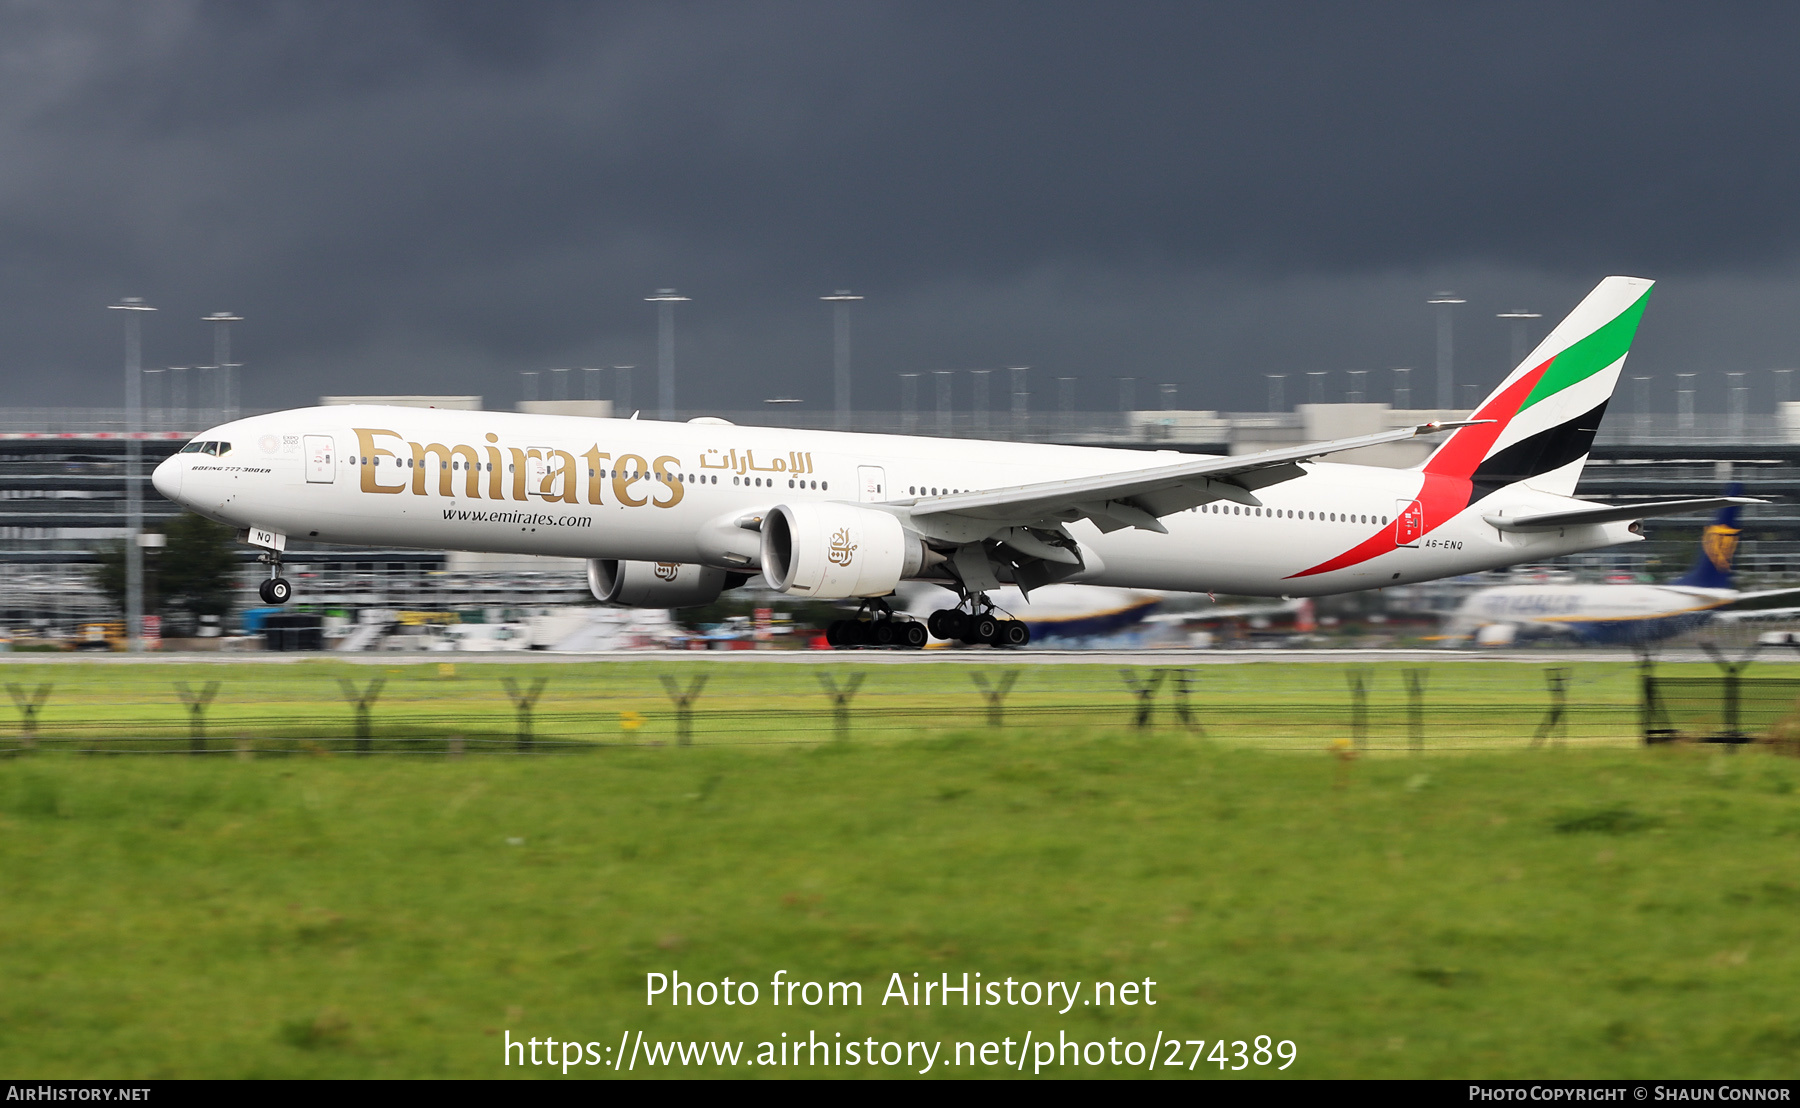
(446, 709)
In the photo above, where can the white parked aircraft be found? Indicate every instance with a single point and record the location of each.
(670, 514)
(1623, 614)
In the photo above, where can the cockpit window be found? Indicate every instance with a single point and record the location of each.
(213, 448)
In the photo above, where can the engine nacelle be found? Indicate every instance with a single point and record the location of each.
(653, 584)
(833, 551)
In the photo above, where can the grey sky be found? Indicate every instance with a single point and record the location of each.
(432, 196)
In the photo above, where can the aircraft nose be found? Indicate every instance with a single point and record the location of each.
(167, 477)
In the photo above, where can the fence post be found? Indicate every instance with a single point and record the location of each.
(684, 706)
(362, 701)
(455, 750)
(995, 694)
(1145, 691)
(1556, 720)
(246, 748)
(1557, 677)
(523, 701)
(1183, 711)
(1359, 707)
(196, 703)
(1734, 731)
(1415, 708)
(29, 704)
(1649, 707)
(840, 699)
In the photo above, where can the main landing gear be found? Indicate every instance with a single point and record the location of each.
(275, 590)
(979, 625)
(876, 625)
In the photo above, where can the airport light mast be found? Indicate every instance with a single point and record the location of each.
(1518, 317)
(981, 404)
(1403, 388)
(622, 389)
(1446, 390)
(227, 377)
(840, 302)
(665, 301)
(133, 306)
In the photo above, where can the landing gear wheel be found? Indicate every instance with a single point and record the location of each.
(883, 632)
(833, 633)
(1013, 632)
(275, 590)
(853, 632)
(981, 627)
(912, 636)
(949, 624)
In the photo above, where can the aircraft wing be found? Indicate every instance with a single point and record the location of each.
(1606, 513)
(1135, 498)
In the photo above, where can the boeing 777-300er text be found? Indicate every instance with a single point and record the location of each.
(671, 514)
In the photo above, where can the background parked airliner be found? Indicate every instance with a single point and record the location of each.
(1622, 613)
(671, 514)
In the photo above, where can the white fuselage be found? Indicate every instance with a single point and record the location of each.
(1587, 610)
(643, 490)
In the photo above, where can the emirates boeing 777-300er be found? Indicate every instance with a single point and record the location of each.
(671, 514)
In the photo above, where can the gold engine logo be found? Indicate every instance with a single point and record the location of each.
(842, 549)
(667, 571)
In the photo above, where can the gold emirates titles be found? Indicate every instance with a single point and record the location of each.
(560, 479)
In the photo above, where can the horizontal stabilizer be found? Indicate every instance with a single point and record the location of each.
(1763, 601)
(1606, 513)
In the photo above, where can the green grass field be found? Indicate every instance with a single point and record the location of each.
(1589, 911)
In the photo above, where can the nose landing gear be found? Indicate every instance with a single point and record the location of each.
(275, 590)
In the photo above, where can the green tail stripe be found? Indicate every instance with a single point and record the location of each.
(1591, 355)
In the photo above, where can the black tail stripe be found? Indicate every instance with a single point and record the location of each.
(1541, 453)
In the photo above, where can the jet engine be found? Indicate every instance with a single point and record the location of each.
(833, 551)
(655, 584)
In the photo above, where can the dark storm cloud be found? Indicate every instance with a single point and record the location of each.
(431, 196)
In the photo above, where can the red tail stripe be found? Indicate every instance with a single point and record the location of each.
(1467, 447)
(1446, 487)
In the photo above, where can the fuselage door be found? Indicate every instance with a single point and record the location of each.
(321, 459)
(538, 469)
(1409, 522)
(871, 484)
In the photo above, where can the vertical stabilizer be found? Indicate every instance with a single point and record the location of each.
(1718, 544)
(1546, 412)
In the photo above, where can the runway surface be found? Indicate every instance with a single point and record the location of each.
(977, 656)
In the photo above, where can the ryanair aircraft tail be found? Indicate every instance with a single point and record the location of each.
(1546, 412)
(1712, 569)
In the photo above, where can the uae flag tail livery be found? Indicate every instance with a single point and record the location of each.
(1540, 423)
(1518, 458)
